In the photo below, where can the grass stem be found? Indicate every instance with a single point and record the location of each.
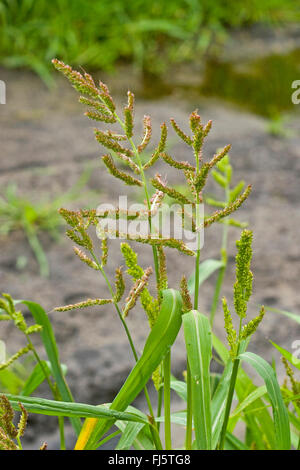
(167, 400)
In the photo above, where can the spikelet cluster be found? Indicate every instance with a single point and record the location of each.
(295, 385)
(186, 298)
(8, 431)
(242, 293)
(136, 291)
(7, 305)
(149, 303)
(120, 146)
(244, 276)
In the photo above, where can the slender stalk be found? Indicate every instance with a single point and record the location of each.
(61, 425)
(233, 378)
(220, 278)
(56, 396)
(137, 155)
(38, 359)
(167, 401)
(108, 438)
(236, 364)
(159, 405)
(154, 250)
(19, 443)
(124, 325)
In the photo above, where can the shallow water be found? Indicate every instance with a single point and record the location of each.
(262, 86)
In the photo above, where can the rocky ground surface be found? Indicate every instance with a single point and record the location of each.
(46, 143)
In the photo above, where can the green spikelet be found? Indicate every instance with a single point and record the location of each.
(179, 165)
(157, 378)
(130, 257)
(96, 116)
(163, 277)
(151, 307)
(81, 83)
(84, 258)
(218, 215)
(198, 141)
(8, 431)
(104, 249)
(187, 302)
(149, 304)
(195, 121)
(252, 326)
(33, 329)
(16, 356)
(17, 317)
(7, 417)
(128, 115)
(221, 156)
(71, 217)
(120, 285)
(188, 140)
(6, 443)
(171, 192)
(84, 304)
(201, 177)
(111, 144)
(147, 134)
(128, 179)
(136, 291)
(207, 128)
(23, 421)
(294, 384)
(81, 238)
(160, 148)
(244, 277)
(231, 333)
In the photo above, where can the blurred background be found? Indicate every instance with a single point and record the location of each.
(235, 61)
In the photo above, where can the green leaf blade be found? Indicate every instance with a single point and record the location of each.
(159, 342)
(198, 341)
(280, 414)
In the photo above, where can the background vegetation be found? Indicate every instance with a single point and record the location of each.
(98, 34)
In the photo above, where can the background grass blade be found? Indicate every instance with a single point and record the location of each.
(37, 377)
(280, 414)
(159, 342)
(252, 397)
(289, 356)
(129, 435)
(48, 338)
(233, 443)
(180, 388)
(293, 316)
(143, 439)
(206, 269)
(218, 404)
(198, 342)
